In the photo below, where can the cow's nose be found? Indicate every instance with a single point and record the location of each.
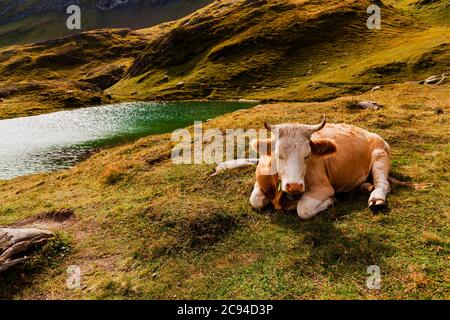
(295, 187)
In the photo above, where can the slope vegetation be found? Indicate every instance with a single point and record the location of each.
(286, 50)
(281, 50)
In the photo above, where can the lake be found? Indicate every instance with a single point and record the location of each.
(59, 140)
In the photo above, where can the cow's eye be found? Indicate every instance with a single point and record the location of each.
(308, 156)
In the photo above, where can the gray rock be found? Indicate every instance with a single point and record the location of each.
(369, 105)
(376, 88)
(436, 79)
(180, 84)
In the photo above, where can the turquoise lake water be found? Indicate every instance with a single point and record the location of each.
(59, 140)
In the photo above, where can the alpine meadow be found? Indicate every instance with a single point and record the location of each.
(93, 205)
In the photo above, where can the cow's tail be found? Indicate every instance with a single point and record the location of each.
(417, 186)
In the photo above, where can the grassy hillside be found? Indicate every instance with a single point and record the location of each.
(433, 11)
(145, 228)
(285, 50)
(266, 49)
(66, 73)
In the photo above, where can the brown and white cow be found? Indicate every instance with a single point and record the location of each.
(310, 163)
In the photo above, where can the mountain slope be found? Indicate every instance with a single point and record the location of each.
(32, 21)
(284, 50)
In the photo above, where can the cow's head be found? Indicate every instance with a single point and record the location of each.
(291, 149)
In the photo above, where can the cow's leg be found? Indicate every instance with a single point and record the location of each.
(314, 201)
(258, 200)
(380, 173)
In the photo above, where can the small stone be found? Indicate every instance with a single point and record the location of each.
(436, 79)
(180, 84)
(154, 275)
(376, 88)
(165, 78)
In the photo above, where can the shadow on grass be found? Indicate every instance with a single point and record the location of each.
(336, 249)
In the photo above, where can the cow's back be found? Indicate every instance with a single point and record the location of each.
(350, 165)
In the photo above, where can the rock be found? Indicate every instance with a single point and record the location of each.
(233, 164)
(44, 94)
(180, 84)
(15, 245)
(376, 88)
(369, 105)
(436, 79)
(363, 105)
(165, 78)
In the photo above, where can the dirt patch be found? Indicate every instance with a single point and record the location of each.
(49, 220)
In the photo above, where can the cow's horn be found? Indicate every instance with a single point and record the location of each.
(314, 128)
(267, 126)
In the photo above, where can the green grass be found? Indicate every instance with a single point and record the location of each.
(169, 231)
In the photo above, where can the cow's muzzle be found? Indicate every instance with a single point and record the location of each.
(295, 188)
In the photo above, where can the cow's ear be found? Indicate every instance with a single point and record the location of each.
(262, 146)
(322, 146)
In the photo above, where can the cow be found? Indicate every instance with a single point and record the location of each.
(302, 166)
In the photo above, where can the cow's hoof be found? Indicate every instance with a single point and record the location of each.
(377, 205)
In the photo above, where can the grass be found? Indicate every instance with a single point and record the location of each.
(166, 231)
